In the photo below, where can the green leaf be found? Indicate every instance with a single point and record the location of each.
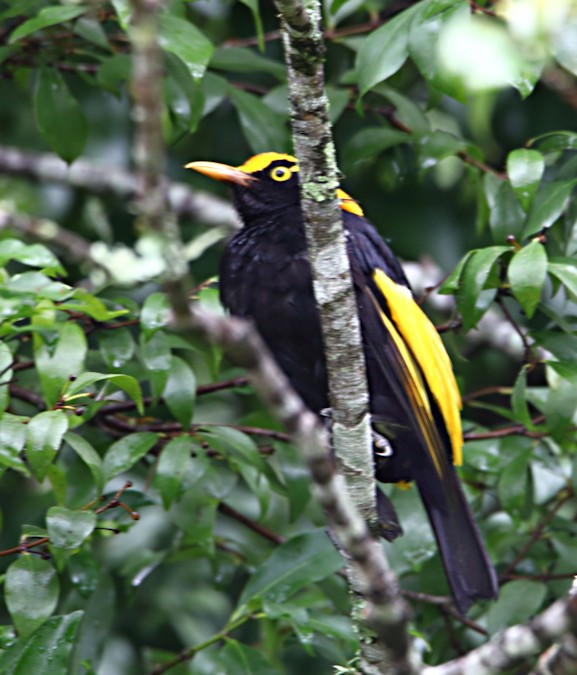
(12, 440)
(555, 141)
(563, 46)
(432, 147)
(472, 300)
(154, 313)
(34, 255)
(185, 40)
(125, 382)
(124, 454)
(370, 142)
(548, 204)
(116, 346)
(525, 169)
(89, 304)
(114, 71)
(566, 272)
(519, 399)
(47, 651)
(88, 455)
(59, 118)
(68, 529)
(507, 216)
(513, 482)
(385, 50)
(48, 16)
(180, 391)
(424, 36)
(6, 361)
(56, 367)
(57, 478)
(241, 659)
(256, 17)
(263, 128)
(244, 60)
(172, 465)
(406, 110)
(518, 602)
(31, 593)
(157, 356)
(527, 272)
(195, 514)
(304, 559)
(44, 435)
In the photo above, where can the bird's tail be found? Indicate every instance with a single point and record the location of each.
(469, 571)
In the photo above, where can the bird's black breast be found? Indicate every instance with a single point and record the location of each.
(265, 275)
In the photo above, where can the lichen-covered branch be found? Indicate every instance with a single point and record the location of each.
(351, 430)
(304, 50)
(520, 642)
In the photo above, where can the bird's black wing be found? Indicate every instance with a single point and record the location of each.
(413, 390)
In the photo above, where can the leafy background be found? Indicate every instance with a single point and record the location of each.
(456, 131)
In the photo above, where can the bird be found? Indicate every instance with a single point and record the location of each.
(265, 276)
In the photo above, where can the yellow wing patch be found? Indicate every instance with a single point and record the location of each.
(347, 203)
(420, 335)
(264, 160)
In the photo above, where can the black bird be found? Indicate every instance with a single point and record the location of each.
(265, 275)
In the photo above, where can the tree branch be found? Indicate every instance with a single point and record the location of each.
(517, 643)
(110, 180)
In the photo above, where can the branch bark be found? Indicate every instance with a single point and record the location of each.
(520, 642)
(351, 429)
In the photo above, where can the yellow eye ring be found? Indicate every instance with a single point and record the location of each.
(280, 173)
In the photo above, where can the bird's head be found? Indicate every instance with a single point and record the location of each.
(265, 183)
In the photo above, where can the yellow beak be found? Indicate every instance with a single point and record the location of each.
(223, 172)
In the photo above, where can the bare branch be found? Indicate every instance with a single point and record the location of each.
(110, 180)
(517, 643)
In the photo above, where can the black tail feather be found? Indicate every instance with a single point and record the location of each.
(469, 571)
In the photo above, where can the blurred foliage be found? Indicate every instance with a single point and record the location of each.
(140, 519)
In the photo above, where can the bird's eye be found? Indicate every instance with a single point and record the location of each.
(280, 173)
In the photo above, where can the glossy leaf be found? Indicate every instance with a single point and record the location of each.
(527, 272)
(518, 601)
(243, 59)
(31, 593)
(116, 346)
(262, 128)
(180, 391)
(88, 455)
(126, 452)
(385, 51)
(46, 17)
(66, 360)
(44, 435)
(68, 529)
(514, 481)
(6, 361)
(472, 300)
(154, 313)
(525, 169)
(302, 560)
(125, 382)
(424, 35)
(12, 440)
(566, 272)
(369, 142)
(173, 463)
(241, 659)
(59, 117)
(507, 216)
(56, 639)
(182, 38)
(548, 204)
